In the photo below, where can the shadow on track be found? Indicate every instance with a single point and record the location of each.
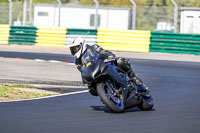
(106, 110)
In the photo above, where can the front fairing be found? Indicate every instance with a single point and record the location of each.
(92, 64)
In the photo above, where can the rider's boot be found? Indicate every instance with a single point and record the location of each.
(125, 65)
(137, 81)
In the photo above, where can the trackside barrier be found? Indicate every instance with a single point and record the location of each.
(4, 34)
(23, 35)
(118, 40)
(50, 36)
(89, 35)
(127, 40)
(175, 43)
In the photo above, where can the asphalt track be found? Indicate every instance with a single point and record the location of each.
(174, 86)
(43, 56)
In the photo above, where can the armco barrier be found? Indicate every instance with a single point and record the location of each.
(4, 34)
(88, 34)
(127, 40)
(24, 35)
(50, 36)
(175, 43)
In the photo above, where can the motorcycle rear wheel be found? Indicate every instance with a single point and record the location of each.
(147, 103)
(115, 104)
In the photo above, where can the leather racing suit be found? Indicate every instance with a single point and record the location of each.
(122, 63)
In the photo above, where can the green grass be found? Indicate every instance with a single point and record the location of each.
(19, 85)
(7, 92)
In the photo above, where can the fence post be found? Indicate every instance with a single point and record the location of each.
(24, 12)
(134, 14)
(10, 12)
(59, 6)
(30, 12)
(175, 15)
(96, 15)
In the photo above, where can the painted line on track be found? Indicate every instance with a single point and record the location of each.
(54, 61)
(40, 98)
(39, 60)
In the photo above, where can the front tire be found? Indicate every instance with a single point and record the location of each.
(115, 104)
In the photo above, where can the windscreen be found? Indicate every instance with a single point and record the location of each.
(89, 58)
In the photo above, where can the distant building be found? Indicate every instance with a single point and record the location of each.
(190, 20)
(82, 17)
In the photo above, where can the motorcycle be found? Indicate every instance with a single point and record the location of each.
(113, 85)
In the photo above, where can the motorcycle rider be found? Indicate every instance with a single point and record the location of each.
(78, 47)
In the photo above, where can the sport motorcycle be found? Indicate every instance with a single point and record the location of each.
(113, 85)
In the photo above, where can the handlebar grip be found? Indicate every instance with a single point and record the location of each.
(109, 60)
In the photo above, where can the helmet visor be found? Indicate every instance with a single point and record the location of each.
(75, 49)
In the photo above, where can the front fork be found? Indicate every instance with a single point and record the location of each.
(118, 79)
(114, 90)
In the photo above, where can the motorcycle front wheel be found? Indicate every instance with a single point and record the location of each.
(113, 102)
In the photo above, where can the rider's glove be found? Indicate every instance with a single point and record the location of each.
(79, 67)
(110, 58)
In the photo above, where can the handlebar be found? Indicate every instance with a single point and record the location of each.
(109, 60)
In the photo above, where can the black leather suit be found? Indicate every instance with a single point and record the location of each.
(122, 63)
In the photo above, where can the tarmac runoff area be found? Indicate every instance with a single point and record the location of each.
(174, 87)
(136, 55)
(65, 70)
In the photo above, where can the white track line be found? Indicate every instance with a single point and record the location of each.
(39, 60)
(54, 61)
(71, 64)
(65, 94)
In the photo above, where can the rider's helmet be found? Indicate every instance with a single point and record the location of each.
(77, 47)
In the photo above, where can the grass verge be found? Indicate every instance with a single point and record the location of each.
(8, 92)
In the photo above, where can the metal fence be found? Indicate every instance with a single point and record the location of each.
(4, 11)
(17, 13)
(147, 17)
(151, 18)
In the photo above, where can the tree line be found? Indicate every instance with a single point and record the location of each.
(122, 3)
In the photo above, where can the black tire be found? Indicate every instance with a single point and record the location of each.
(145, 104)
(108, 102)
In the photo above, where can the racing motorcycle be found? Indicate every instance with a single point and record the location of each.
(113, 85)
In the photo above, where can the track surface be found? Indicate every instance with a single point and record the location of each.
(174, 86)
(43, 56)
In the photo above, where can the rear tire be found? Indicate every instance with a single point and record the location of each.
(103, 92)
(147, 104)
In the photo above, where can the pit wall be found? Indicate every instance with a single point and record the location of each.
(116, 40)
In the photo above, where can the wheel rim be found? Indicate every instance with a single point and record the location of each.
(148, 99)
(116, 100)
